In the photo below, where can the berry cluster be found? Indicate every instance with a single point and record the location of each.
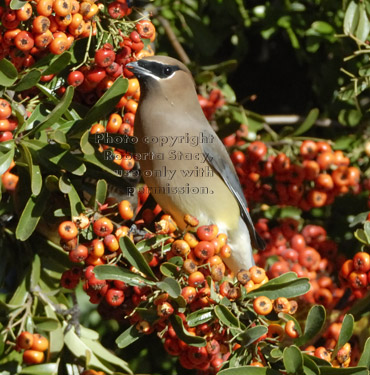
(195, 260)
(355, 273)
(40, 27)
(109, 63)
(320, 176)
(34, 346)
(122, 124)
(8, 123)
(210, 105)
(308, 252)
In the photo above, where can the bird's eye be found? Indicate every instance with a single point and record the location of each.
(167, 71)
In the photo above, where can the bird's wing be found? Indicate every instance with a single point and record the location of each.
(220, 161)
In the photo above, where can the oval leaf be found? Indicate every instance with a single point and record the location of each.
(28, 81)
(226, 316)
(293, 360)
(345, 333)
(6, 160)
(351, 18)
(308, 122)
(365, 356)
(248, 370)
(101, 192)
(171, 286)
(128, 337)
(8, 73)
(199, 317)
(58, 111)
(250, 335)
(184, 335)
(274, 289)
(315, 322)
(44, 369)
(169, 269)
(107, 272)
(58, 63)
(31, 215)
(135, 258)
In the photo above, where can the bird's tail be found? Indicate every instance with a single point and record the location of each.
(241, 249)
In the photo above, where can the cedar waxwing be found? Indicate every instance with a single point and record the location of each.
(183, 162)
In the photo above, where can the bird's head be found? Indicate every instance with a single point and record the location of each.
(166, 73)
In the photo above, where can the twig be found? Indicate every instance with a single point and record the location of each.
(174, 41)
(295, 119)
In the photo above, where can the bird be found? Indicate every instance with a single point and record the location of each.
(182, 160)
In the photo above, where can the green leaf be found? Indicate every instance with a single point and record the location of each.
(171, 286)
(308, 363)
(35, 271)
(8, 73)
(308, 122)
(351, 18)
(248, 370)
(250, 335)
(46, 324)
(103, 106)
(88, 333)
(58, 63)
(101, 193)
(318, 361)
(106, 165)
(293, 360)
(345, 333)
(278, 287)
(135, 258)
(108, 272)
(363, 28)
(151, 243)
(57, 155)
(64, 184)
(343, 371)
(17, 4)
(2, 344)
(56, 336)
(359, 219)
(58, 111)
(226, 316)
(169, 269)
(85, 145)
(6, 160)
(322, 27)
(365, 356)
(361, 236)
(33, 169)
(184, 335)
(81, 351)
(20, 295)
(128, 337)
(31, 215)
(200, 316)
(28, 80)
(367, 229)
(75, 202)
(101, 352)
(314, 323)
(43, 369)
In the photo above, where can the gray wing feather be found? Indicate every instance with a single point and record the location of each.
(222, 164)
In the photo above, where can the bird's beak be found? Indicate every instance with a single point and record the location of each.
(136, 68)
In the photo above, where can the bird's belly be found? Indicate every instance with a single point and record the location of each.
(189, 186)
